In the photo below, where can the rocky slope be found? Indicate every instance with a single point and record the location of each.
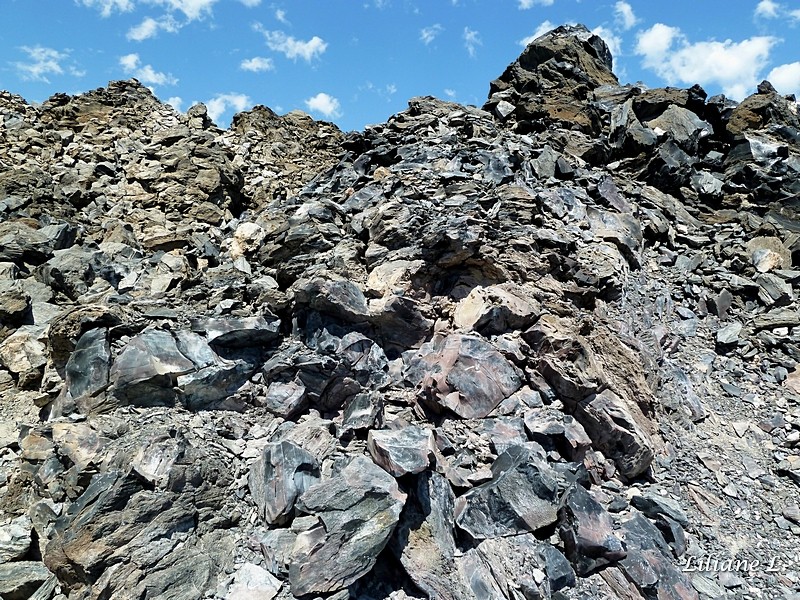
(542, 349)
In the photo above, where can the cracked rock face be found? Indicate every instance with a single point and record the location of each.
(546, 348)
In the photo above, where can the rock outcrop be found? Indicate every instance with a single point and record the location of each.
(544, 349)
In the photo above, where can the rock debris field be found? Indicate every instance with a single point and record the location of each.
(546, 348)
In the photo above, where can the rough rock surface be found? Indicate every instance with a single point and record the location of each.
(546, 348)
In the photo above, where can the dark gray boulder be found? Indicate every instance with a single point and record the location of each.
(283, 472)
(357, 511)
(522, 496)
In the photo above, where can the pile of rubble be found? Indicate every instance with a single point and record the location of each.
(542, 349)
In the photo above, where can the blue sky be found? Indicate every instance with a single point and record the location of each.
(356, 62)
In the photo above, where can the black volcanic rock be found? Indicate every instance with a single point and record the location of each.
(548, 348)
(553, 79)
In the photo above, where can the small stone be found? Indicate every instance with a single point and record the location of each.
(729, 334)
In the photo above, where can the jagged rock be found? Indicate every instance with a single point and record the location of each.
(587, 531)
(521, 496)
(281, 475)
(647, 564)
(401, 451)
(682, 125)
(15, 539)
(238, 333)
(464, 374)
(654, 505)
(424, 540)
(363, 411)
(729, 334)
(23, 353)
(285, 399)
(251, 582)
(356, 513)
(21, 580)
(553, 76)
(614, 431)
(495, 309)
(768, 253)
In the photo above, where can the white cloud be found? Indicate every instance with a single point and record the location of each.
(324, 104)
(257, 64)
(150, 27)
(280, 15)
(221, 103)
(192, 9)
(292, 47)
(146, 74)
(250, 3)
(175, 102)
(768, 9)
(41, 63)
(624, 15)
(107, 7)
(540, 31)
(786, 78)
(450, 93)
(734, 66)
(795, 14)
(471, 40)
(612, 40)
(526, 4)
(428, 34)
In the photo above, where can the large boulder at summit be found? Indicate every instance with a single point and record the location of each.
(552, 81)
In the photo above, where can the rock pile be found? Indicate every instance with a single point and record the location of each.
(543, 349)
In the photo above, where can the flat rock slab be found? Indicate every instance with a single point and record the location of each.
(521, 497)
(463, 373)
(282, 473)
(357, 511)
(238, 332)
(401, 451)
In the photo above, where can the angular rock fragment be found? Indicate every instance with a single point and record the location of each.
(20, 580)
(424, 540)
(648, 565)
(285, 399)
(464, 374)
(15, 539)
(521, 497)
(238, 332)
(280, 476)
(145, 370)
(251, 582)
(495, 309)
(614, 431)
(587, 531)
(356, 511)
(401, 451)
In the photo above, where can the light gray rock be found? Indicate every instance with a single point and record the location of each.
(15, 539)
